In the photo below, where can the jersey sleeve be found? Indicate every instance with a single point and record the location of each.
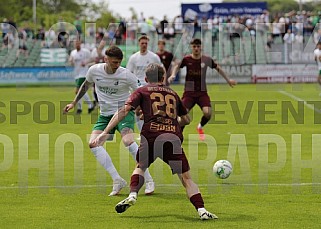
(316, 52)
(211, 63)
(87, 55)
(135, 99)
(130, 64)
(158, 60)
(183, 63)
(71, 56)
(94, 53)
(89, 76)
(133, 81)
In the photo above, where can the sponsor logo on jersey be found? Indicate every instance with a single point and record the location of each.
(108, 90)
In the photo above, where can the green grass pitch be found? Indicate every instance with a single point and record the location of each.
(270, 133)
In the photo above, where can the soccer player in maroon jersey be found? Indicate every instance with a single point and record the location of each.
(166, 58)
(161, 137)
(195, 91)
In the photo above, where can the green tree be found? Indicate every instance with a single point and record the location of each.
(50, 11)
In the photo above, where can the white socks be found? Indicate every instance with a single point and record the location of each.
(133, 148)
(104, 159)
(133, 194)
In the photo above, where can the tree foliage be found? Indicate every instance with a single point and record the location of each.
(50, 12)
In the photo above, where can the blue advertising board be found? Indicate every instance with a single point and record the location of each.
(36, 75)
(207, 10)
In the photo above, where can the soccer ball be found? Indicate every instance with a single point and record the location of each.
(222, 169)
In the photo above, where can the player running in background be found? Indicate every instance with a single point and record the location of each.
(97, 55)
(166, 58)
(161, 137)
(317, 57)
(138, 62)
(80, 58)
(113, 84)
(195, 91)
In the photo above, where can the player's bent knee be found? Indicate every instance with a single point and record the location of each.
(128, 142)
(91, 145)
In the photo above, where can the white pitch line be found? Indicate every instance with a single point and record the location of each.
(299, 99)
(157, 185)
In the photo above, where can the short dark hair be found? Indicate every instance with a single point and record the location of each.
(155, 73)
(161, 42)
(196, 41)
(143, 36)
(115, 52)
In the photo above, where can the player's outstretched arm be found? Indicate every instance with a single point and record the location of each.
(175, 70)
(231, 82)
(118, 116)
(100, 48)
(82, 91)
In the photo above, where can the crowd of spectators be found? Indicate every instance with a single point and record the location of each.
(288, 27)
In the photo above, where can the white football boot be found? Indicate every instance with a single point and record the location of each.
(118, 185)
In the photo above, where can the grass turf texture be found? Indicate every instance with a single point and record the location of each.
(74, 189)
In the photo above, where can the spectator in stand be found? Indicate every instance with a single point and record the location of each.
(5, 27)
(169, 34)
(122, 30)
(41, 36)
(163, 23)
(8, 40)
(63, 39)
(276, 28)
(50, 37)
(97, 56)
(178, 24)
(90, 30)
(141, 17)
(317, 36)
(144, 27)
(197, 27)
(298, 38)
(22, 35)
(289, 37)
(152, 23)
(78, 25)
(132, 29)
(13, 24)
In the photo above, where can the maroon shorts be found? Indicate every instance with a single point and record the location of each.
(200, 98)
(167, 147)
